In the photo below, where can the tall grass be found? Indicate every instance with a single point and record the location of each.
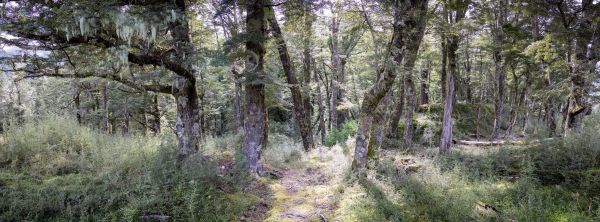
(55, 170)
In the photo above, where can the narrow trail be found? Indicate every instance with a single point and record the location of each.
(308, 191)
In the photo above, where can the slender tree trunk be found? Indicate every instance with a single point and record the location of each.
(406, 17)
(321, 110)
(499, 68)
(77, 102)
(444, 66)
(411, 103)
(155, 113)
(106, 113)
(336, 70)
(300, 115)
(255, 124)
(306, 57)
(237, 101)
(425, 84)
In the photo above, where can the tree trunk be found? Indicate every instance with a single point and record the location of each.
(255, 124)
(299, 111)
(444, 66)
(336, 70)
(399, 110)
(237, 101)
(584, 65)
(406, 17)
(452, 46)
(187, 128)
(321, 110)
(411, 103)
(77, 103)
(105, 116)
(499, 69)
(155, 113)
(425, 85)
(306, 57)
(380, 117)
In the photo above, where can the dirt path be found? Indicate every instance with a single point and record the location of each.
(308, 192)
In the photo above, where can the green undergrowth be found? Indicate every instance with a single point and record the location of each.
(551, 180)
(55, 170)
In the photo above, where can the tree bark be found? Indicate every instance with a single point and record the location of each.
(425, 85)
(584, 65)
(406, 15)
(452, 46)
(322, 129)
(187, 125)
(499, 68)
(336, 70)
(399, 110)
(255, 124)
(306, 57)
(237, 101)
(411, 103)
(300, 115)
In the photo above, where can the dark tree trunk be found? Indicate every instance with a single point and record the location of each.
(306, 57)
(336, 72)
(425, 85)
(406, 17)
(155, 113)
(321, 110)
(77, 102)
(255, 124)
(301, 117)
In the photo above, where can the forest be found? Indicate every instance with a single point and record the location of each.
(300, 110)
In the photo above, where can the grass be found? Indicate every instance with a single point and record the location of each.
(55, 170)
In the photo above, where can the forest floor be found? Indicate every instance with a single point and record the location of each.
(309, 190)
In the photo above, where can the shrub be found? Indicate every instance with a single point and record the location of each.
(341, 134)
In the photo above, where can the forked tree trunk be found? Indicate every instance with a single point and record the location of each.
(413, 43)
(255, 124)
(301, 117)
(406, 17)
(452, 46)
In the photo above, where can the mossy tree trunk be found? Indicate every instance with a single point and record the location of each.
(255, 124)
